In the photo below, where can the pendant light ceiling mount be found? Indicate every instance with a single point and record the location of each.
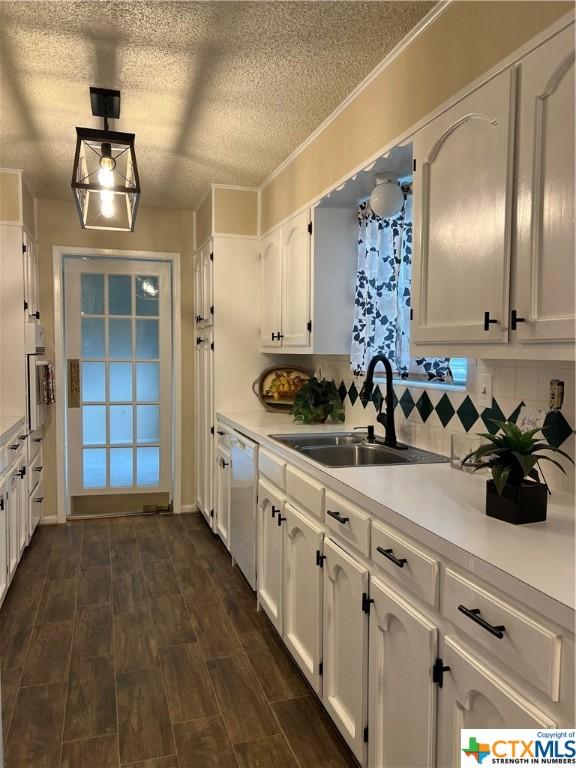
(105, 180)
(386, 199)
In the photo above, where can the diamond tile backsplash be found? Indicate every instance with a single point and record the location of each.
(428, 416)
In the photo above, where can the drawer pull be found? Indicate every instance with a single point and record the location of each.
(14, 447)
(337, 516)
(389, 553)
(474, 614)
(220, 432)
(37, 469)
(39, 499)
(280, 519)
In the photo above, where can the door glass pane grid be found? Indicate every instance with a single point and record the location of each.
(120, 394)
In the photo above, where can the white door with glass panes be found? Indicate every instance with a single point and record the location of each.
(118, 339)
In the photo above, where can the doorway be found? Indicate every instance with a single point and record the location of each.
(118, 369)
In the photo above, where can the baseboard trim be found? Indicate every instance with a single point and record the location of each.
(185, 508)
(48, 520)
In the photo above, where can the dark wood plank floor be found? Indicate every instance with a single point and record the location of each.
(134, 642)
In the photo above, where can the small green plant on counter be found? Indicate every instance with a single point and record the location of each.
(317, 401)
(512, 455)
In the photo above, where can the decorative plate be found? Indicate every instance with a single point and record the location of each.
(277, 387)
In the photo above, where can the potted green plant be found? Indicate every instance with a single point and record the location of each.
(317, 400)
(515, 493)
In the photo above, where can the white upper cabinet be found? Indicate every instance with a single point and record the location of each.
(462, 217)
(271, 290)
(204, 285)
(198, 287)
(473, 697)
(402, 694)
(345, 630)
(545, 274)
(296, 242)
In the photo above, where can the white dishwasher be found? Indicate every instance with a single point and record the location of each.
(243, 488)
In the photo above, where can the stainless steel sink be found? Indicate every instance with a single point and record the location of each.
(351, 449)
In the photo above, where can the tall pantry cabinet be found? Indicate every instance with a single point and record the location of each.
(226, 270)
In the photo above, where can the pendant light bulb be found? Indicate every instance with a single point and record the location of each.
(107, 204)
(387, 198)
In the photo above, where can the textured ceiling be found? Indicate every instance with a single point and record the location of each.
(214, 91)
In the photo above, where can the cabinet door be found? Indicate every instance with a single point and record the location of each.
(13, 513)
(208, 425)
(271, 290)
(345, 645)
(3, 540)
(207, 284)
(222, 508)
(474, 697)
(545, 268)
(270, 554)
(402, 696)
(462, 214)
(199, 423)
(198, 288)
(296, 254)
(303, 593)
(23, 514)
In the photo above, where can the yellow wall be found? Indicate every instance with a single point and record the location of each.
(156, 230)
(235, 211)
(466, 40)
(204, 220)
(10, 197)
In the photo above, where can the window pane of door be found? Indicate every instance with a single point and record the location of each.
(92, 294)
(94, 467)
(119, 295)
(148, 382)
(147, 466)
(121, 471)
(94, 424)
(93, 338)
(120, 339)
(120, 381)
(93, 382)
(147, 339)
(121, 424)
(147, 296)
(148, 423)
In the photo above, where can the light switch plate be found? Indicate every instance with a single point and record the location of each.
(485, 389)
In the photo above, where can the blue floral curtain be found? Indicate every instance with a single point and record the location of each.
(383, 291)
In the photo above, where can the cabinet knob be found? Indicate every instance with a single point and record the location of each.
(514, 320)
(488, 321)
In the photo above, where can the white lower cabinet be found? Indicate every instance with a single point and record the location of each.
(270, 554)
(303, 592)
(402, 694)
(223, 494)
(3, 539)
(345, 645)
(472, 696)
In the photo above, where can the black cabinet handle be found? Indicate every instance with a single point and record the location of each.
(199, 340)
(224, 463)
(474, 614)
(389, 553)
(37, 439)
(337, 516)
(275, 511)
(21, 472)
(39, 500)
(14, 447)
(277, 336)
(22, 437)
(36, 315)
(488, 321)
(280, 518)
(514, 320)
(37, 469)
(220, 432)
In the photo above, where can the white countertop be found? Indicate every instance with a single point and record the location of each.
(450, 505)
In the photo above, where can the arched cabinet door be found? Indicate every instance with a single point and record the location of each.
(474, 697)
(462, 218)
(270, 554)
(402, 695)
(345, 629)
(296, 247)
(303, 593)
(271, 290)
(545, 264)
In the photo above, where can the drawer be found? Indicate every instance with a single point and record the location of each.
(522, 643)
(406, 562)
(272, 467)
(35, 471)
(305, 492)
(347, 521)
(224, 436)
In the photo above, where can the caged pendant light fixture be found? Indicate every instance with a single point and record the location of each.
(105, 180)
